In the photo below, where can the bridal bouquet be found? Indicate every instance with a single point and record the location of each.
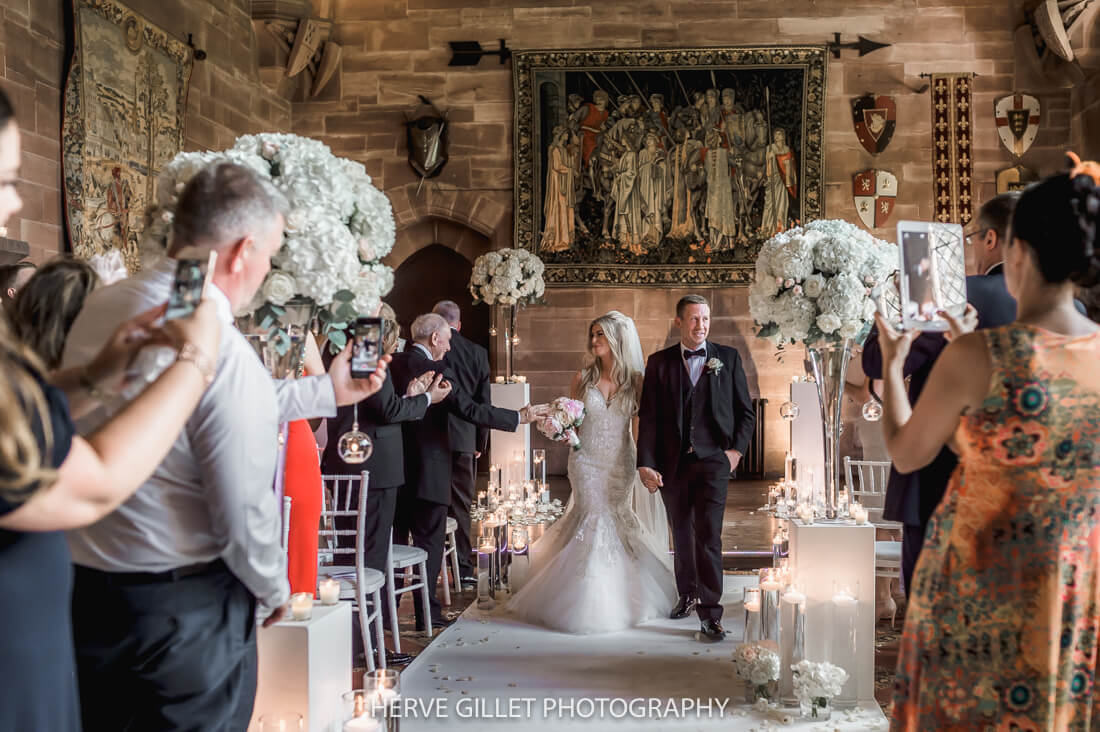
(507, 277)
(561, 421)
(815, 684)
(819, 283)
(758, 666)
(338, 229)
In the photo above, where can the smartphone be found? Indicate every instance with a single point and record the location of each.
(194, 268)
(366, 345)
(933, 273)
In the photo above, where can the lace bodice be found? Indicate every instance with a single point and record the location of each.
(602, 470)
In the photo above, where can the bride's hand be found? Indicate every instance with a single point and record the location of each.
(651, 479)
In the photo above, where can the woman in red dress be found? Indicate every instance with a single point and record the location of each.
(302, 483)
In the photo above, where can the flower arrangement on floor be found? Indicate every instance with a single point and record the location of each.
(507, 277)
(818, 283)
(338, 229)
(561, 421)
(758, 666)
(815, 684)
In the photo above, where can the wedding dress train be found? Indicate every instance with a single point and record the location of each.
(599, 569)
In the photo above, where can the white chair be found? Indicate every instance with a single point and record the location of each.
(407, 558)
(358, 583)
(286, 524)
(450, 549)
(871, 493)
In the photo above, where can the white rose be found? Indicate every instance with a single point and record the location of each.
(814, 285)
(279, 287)
(850, 329)
(828, 323)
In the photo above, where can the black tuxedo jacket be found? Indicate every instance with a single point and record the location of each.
(468, 363)
(912, 497)
(428, 442)
(661, 413)
(380, 417)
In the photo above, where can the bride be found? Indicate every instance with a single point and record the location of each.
(604, 565)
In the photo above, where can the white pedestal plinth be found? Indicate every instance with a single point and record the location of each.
(504, 445)
(304, 667)
(825, 555)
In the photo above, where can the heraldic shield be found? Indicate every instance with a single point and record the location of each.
(874, 192)
(1018, 118)
(874, 118)
(427, 139)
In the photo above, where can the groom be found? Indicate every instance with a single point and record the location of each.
(695, 421)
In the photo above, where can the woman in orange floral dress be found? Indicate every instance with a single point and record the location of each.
(1001, 630)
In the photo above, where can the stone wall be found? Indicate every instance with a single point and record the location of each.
(396, 50)
(225, 98)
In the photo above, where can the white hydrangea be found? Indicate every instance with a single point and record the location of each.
(817, 283)
(507, 277)
(339, 226)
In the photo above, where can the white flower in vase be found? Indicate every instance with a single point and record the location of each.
(279, 287)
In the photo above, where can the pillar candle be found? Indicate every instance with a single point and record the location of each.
(792, 640)
(329, 591)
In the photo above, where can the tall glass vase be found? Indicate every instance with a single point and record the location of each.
(829, 363)
(510, 341)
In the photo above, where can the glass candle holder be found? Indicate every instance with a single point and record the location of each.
(356, 713)
(538, 458)
(752, 615)
(383, 695)
(496, 475)
(301, 606)
(842, 503)
(843, 641)
(519, 466)
(770, 587)
(792, 641)
(329, 591)
(481, 499)
(281, 722)
(486, 551)
(544, 493)
(777, 549)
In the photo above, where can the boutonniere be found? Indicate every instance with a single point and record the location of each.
(714, 365)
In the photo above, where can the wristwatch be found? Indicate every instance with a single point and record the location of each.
(190, 352)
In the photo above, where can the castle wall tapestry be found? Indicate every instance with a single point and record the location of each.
(665, 167)
(125, 99)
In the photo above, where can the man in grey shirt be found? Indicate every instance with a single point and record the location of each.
(166, 587)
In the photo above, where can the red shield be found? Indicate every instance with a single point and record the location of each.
(874, 193)
(874, 118)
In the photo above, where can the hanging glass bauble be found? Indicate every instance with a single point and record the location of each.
(354, 447)
(788, 411)
(872, 410)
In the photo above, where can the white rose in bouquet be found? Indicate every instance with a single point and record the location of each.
(817, 283)
(279, 287)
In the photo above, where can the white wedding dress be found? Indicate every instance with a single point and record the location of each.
(598, 569)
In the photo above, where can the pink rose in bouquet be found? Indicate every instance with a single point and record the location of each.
(561, 421)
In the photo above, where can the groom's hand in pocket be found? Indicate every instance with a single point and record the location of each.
(651, 479)
(735, 459)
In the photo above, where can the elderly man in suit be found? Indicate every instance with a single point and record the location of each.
(468, 362)
(423, 501)
(912, 497)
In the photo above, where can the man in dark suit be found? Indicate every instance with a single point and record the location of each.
(468, 363)
(911, 498)
(695, 422)
(423, 501)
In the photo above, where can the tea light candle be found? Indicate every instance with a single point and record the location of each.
(771, 582)
(859, 513)
(329, 591)
(519, 379)
(500, 379)
(362, 724)
(301, 606)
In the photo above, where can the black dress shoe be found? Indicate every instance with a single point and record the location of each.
(468, 579)
(683, 608)
(711, 632)
(397, 659)
(439, 623)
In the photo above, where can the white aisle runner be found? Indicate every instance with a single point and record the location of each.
(488, 670)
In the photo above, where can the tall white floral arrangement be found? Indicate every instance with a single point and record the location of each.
(338, 229)
(819, 283)
(507, 277)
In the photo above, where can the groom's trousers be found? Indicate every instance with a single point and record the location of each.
(695, 499)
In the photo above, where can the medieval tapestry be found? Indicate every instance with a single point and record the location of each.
(665, 167)
(125, 99)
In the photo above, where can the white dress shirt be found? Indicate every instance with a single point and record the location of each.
(212, 495)
(694, 365)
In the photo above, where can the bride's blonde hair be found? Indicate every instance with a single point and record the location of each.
(626, 352)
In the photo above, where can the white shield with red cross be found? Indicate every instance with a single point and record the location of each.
(1018, 118)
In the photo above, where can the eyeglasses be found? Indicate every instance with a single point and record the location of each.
(980, 233)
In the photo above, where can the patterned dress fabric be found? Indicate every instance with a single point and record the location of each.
(1001, 630)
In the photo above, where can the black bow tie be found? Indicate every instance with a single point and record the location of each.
(695, 354)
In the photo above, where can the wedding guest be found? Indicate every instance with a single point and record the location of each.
(52, 480)
(912, 496)
(45, 308)
(380, 417)
(1002, 626)
(167, 586)
(469, 364)
(423, 501)
(13, 276)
